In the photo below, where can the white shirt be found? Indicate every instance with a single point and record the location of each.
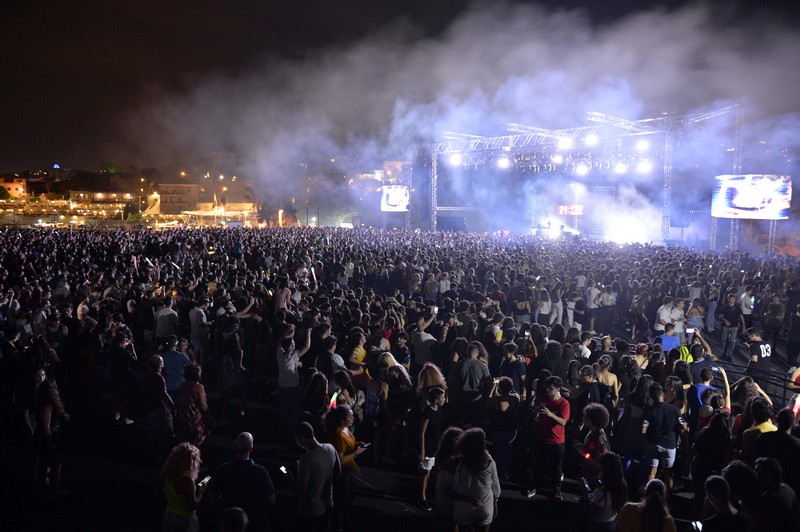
(664, 314)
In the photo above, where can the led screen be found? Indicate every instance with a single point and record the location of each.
(752, 196)
(394, 198)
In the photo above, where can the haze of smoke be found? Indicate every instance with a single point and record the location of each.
(376, 99)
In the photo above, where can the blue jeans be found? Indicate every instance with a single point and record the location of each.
(729, 341)
(503, 447)
(711, 318)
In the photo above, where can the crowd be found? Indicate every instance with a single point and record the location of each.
(478, 359)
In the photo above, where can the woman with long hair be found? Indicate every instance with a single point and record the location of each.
(544, 308)
(694, 317)
(628, 375)
(521, 309)
(357, 355)
(557, 304)
(398, 405)
(710, 453)
(178, 483)
(192, 417)
(608, 496)
(629, 428)
(650, 515)
(43, 411)
(501, 409)
(675, 394)
(444, 470)
(476, 486)
(314, 402)
(337, 429)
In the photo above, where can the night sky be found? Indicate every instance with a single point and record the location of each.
(76, 76)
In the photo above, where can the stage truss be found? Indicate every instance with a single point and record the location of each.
(614, 128)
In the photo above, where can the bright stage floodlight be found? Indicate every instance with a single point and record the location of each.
(591, 140)
(642, 145)
(644, 166)
(557, 158)
(456, 159)
(621, 168)
(564, 143)
(503, 163)
(582, 169)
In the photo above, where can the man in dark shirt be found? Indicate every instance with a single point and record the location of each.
(731, 315)
(778, 508)
(661, 424)
(783, 447)
(760, 353)
(727, 518)
(469, 382)
(245, 484)
(551, 360)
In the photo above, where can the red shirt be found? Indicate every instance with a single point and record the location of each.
(547, 429)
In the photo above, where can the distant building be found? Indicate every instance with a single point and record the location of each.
(178, 197)
(17, 186)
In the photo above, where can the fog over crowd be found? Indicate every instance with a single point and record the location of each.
(377, 98)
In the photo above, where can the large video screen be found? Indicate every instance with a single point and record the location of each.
(752, 197)
(394, 198)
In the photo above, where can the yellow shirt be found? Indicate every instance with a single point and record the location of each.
(176, 503)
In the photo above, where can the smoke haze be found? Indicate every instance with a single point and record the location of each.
(374, 100)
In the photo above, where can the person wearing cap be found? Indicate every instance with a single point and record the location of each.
(174, 362)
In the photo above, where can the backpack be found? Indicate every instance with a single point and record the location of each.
(686, 354)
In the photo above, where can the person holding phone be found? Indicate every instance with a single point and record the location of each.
(178, 485)
(244, 483)
(337, 427)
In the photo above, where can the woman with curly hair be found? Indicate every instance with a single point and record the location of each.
(178, 485)
(476, 486)
(430, 376)
(595, 444)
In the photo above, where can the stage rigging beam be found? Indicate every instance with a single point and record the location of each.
(669, 124)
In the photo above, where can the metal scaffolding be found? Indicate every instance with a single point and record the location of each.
(527, 136)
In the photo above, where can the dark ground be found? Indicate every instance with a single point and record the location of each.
(111, 487)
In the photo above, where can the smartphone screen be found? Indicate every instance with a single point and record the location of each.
(283, 470)
(204, 481)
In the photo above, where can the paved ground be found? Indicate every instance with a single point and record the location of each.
(111, 488)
